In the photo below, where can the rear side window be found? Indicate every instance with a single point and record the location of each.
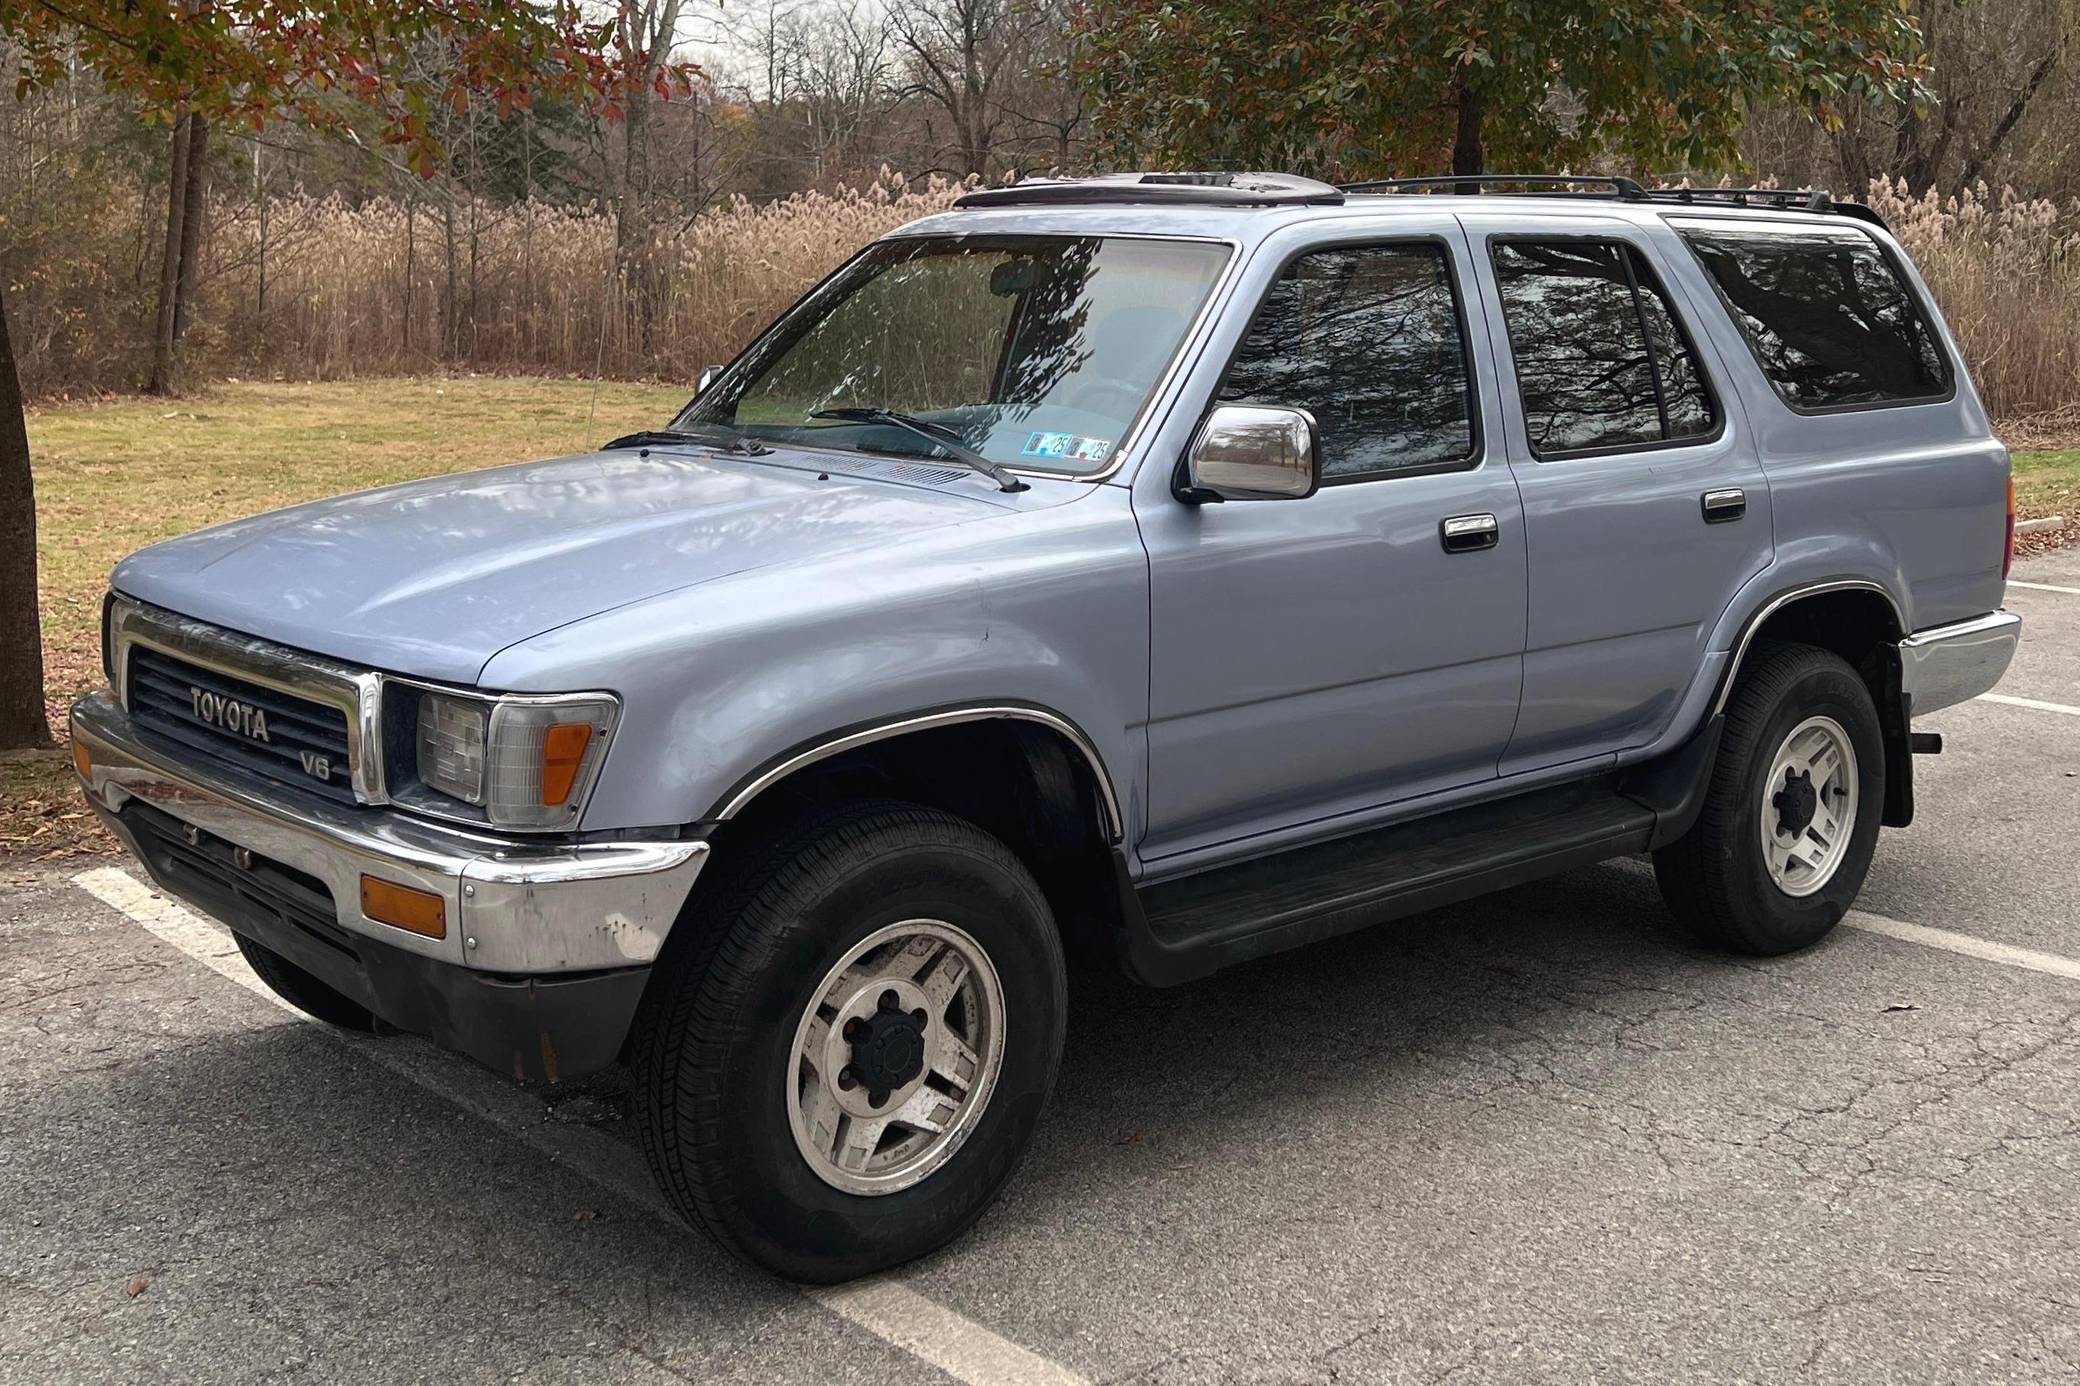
(1828, 315)
(1368, 340)
(1602, 361)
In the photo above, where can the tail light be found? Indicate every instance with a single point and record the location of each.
(2008, 549)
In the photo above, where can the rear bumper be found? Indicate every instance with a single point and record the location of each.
(1946, 665)
(544, 948)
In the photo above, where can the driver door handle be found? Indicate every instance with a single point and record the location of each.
(1468, 533)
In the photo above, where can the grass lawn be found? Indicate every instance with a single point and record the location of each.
(2048, 483)
(114, 477)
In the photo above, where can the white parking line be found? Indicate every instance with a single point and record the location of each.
(959, 1347)
(2040, 706)
(891, 1311)
(2057, 964)
(2044, 587)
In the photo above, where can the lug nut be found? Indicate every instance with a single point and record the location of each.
(919, 1016)
(847, 1081)
(852, 1030)
(889, 999)
(877, 1099)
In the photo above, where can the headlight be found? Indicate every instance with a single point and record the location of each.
(526, 761)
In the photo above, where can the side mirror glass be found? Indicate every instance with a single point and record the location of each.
(1248, 452)
(708, 375)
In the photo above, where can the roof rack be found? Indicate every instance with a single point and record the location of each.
(1200, 189)
(1625, 189)
(1631, 190)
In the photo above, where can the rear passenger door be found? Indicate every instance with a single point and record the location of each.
(1645, 509)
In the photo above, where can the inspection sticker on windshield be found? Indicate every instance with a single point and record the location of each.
(1069, 445)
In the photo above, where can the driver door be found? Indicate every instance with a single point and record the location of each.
(1316, 658)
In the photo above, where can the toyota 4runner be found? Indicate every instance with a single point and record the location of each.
(1177, 568)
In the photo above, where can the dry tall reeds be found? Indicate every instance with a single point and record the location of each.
(391, 286)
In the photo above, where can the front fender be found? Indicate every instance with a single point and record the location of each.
(723, 683)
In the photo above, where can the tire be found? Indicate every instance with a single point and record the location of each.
(303, 991)
(721, 1079)
(1718, 878)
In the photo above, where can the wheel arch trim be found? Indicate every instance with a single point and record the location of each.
(1785, 598)
(823, 748)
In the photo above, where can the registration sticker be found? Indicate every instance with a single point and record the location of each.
(1071, 445)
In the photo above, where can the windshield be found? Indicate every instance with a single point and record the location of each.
(1035, 351)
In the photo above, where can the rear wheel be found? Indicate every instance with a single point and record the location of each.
(1790, 818)
(841, 1059)
(303, 991)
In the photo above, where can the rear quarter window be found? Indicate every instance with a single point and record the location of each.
(1829, 316)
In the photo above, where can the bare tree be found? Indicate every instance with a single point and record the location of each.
(959, 56)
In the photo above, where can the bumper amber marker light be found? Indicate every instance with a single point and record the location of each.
(563, 751)
(82, 761)
(418, 911)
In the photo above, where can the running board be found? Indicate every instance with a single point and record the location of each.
(1201, 923)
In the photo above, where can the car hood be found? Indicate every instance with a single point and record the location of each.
(435, 577)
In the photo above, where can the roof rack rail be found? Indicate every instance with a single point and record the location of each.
(1625, 189)
(1631, 190)
(1781, 199)
(1213, 189)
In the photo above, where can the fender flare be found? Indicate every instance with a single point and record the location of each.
(809, 753)
(1777, 603)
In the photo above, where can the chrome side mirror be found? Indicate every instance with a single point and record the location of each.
(1249, 452)
(708, 374)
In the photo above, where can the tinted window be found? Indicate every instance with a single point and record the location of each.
(1829, 317)
(1601, 360)
(1367, 339)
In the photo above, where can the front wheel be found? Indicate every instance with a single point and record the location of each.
(303, 991)
(840, 1065)
(1790, 818)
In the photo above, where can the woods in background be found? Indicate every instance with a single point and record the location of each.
(556, 239)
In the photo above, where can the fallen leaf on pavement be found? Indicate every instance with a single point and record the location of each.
(135, 1287)
(1900, 1006)
(584, 1215)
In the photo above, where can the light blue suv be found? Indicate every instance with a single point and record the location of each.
(1176, 568)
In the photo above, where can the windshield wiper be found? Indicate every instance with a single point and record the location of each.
(939, 435)
(665, 437)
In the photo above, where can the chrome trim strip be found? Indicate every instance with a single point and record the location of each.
(1946, 665)
(518, 905)
(1115, 823)
(355, 692)
(1777, 603)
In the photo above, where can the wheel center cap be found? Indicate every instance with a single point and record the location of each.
(1796, 803)
(889, 1050)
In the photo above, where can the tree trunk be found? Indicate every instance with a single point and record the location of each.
(1467, 158)
(21, 639)
(170, 261)
(194, 206)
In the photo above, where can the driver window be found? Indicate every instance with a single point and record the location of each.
(1368, 339)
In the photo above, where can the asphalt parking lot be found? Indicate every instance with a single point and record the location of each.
(1540, 1137)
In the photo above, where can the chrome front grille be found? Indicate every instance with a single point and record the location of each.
(203, 691)
(297, 741)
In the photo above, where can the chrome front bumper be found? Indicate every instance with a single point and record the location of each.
(513, 906)
(1946, 665)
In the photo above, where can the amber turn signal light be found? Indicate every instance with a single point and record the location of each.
(81, 761)
(563, 751)
(418, 911)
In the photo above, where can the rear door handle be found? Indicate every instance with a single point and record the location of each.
(1468, 533)
(1727, 503)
